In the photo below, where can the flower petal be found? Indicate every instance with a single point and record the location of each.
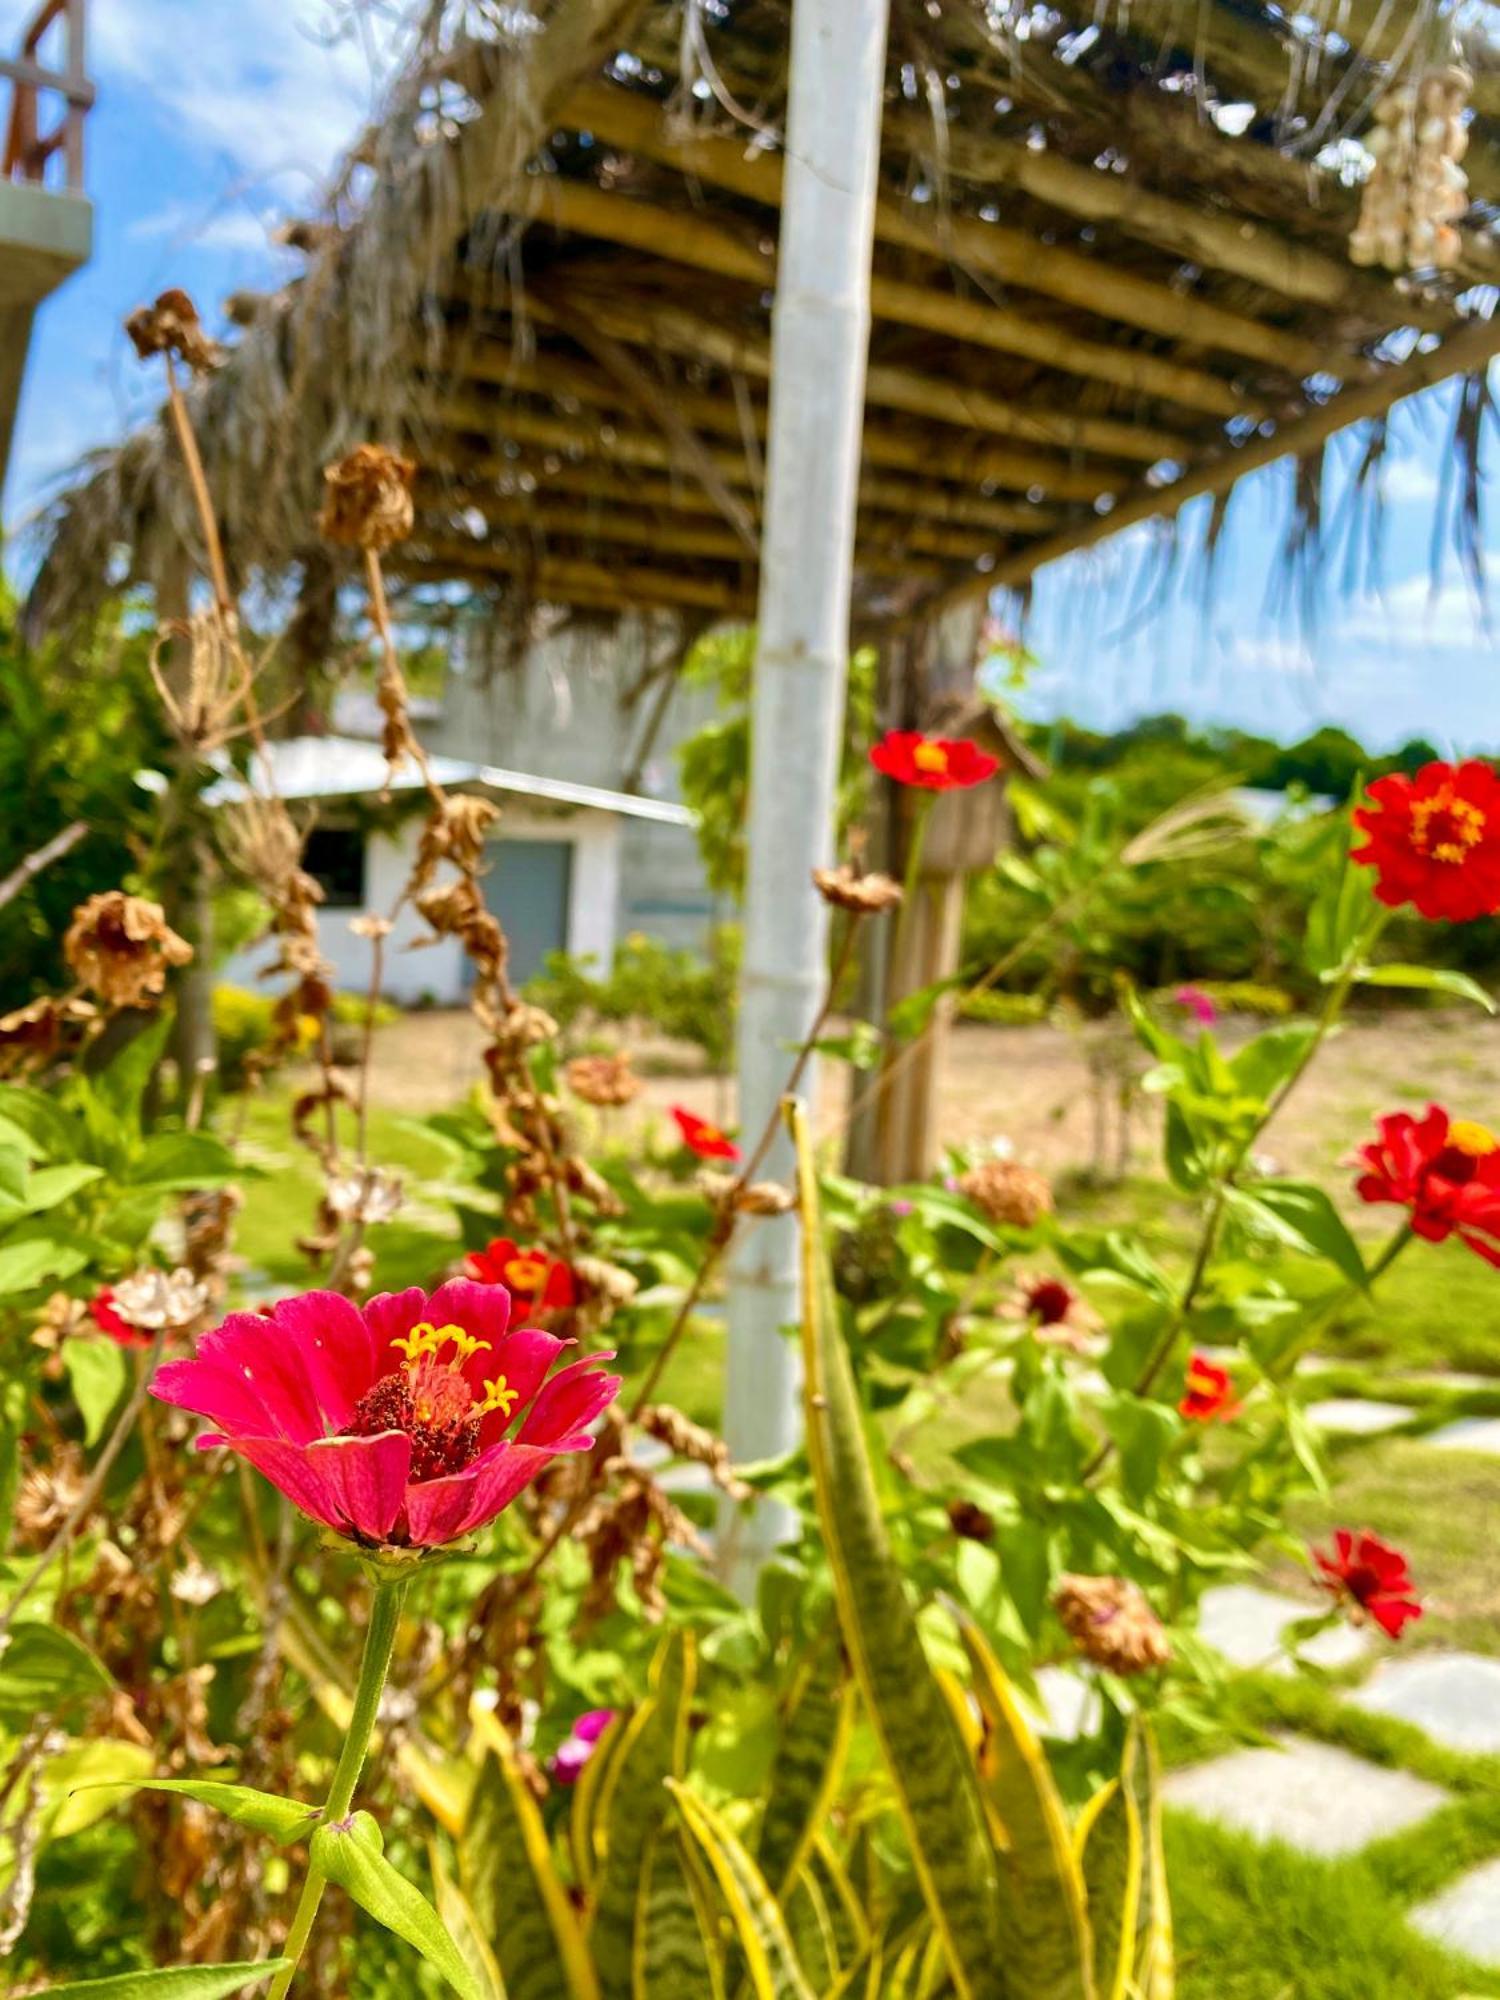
(247, 1376)
(366, 1477)
(569, 1403)
(291, 1472)
(483, 1310)
(440, 1510)
(337, 1350)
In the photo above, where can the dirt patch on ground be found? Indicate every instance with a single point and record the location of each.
(1051, 1091)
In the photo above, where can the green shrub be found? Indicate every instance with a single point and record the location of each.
(242, 1024)
(676, 992)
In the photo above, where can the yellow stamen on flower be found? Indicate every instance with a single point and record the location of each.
(425, 1338)
(1478, 1141)
(524, 1274)
(498, 1395)
(930, 757)
(1460, 826)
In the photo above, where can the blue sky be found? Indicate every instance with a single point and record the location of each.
(216, 120)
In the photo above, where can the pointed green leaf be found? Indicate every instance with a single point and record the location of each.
(1156, 1961)
(1427, 979)
(653, 1748)
(26, 1261)
(385, 1894)
(1111, 1844)
(184, 1160)
(1043, 1915)
(505, 1866)
(44, 1671)
(97, 1373)
(810, 1926)
(457, 1912)
(930, 1769)
(50, 1186)
(770, 1962)
(1303, 1217)
(284, 1820)
(585, 1822)
(12, 1174)
(811, 1744)
(675, 1957)
(177, 1982)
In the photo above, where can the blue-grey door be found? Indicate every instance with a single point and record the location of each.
(528, 885)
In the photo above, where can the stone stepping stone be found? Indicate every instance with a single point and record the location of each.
(1068, 1705)
(1454, 1697)
(1466, 1916)
(1354, 1417)
(1246, 1625)
(1312, 1795)
(1468, 1434)
(1446, 1378)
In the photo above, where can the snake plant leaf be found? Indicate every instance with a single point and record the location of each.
(634, 1803)
(675, 1958)
(585, 1825)
(811, 1746)
(457, 1912)
(506, 1872)
(384, 1893)
(1111, 1846)
(176, 1982)
(1043, 1905)
(810, 1928)
(851, 1929)
(933, 1778)
(1156, 1958)
(760, 1929)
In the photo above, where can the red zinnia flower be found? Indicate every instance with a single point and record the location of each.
(1435, 840)
(535, 1281)
(1371, 1577)
(1446, 1171)
(102, 1313)
(410, 1421)
(1208, 1392)
(935, 763)
(706, 1140)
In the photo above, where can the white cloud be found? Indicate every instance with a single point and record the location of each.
(1410, 477)
(179, 222)
(1413, 614)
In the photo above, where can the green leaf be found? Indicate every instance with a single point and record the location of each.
(13, 1418)
(933, 1778)
(519, 1902)
(97, 1373)
(1265, 1062)
(49, 1186)
(1427, 979)
(121, 1086)
(44, 1671)
(457, 1912)
(675, 1957)
(1142, 1430)
(25, 1264)
(177, 1982)
(770, 1962)
(1337, 919)
(634, 1804)
(285, 1820)
(811, 1744)
(1043, 1916)
(41, 1119)
(1302, 1216)
(1111, 1846)
(12, 1172)
(386, 1895)
(184, 1160)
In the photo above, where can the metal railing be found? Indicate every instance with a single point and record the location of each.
(28, 147)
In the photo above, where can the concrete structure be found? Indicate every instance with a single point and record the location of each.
(46, 230)
(557, 878)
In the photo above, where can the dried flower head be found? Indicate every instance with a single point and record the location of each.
(456, 830)
(369, 1194)
(599, 1279)
(1007, 1192)
(122, 946)
(157, 1300)
(1111, 1623)
(745, 1197)
(208, 1216)
(367, 501)
(603, 1080)
(685, 1439)
(32, 1035)
(970, 1522)
(172, 326)
(862, 895)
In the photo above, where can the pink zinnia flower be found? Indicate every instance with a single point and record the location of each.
(412, 1420)
(1193, 1000)
(579, 1745)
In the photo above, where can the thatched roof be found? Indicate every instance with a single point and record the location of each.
(1111, 275)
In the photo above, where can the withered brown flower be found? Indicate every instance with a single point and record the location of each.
(32, 1035)
(747, 1197)
(970, 1522)
(172, 326)
(603, 1080)
(123, 947)
(1007, 1192)
(862, 895)
(367, 501)
(455, 830)
(1111, 1623)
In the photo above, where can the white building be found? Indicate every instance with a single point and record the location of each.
(557, 877)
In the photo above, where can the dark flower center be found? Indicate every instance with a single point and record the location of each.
(430, 1400)
(1049, 1301)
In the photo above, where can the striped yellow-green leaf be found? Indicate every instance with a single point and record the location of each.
(585, 1827)
(760, 1930)
(634, 1803)
(810, 1928)
(811, 1743)
(674, 1957)
(933, 1777)
(1043, 1909)
(1111, 1846)
(457, 1912)
(850, 1929)
(1156, 1960)
(505, 1866)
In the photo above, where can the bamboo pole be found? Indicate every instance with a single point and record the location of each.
(638, 584)
(635, 122)
(820, 326)
(1470, 349)
(682, 238)
(673, 330)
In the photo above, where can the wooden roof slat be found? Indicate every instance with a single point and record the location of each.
(636, 123)
(681, 238)
(638, 583)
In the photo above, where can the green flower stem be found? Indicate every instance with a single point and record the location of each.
(380, 1640)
